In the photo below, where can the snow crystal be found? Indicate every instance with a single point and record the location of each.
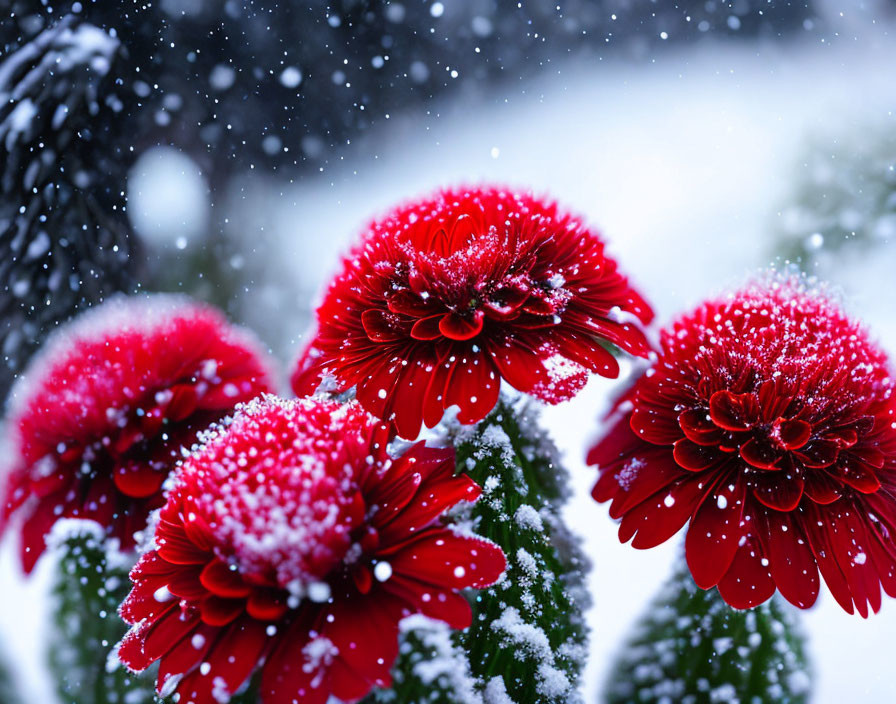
(527, 517)
(629, 472)
(552, 682)
(291, 77)
(449, 661)
(382, 571)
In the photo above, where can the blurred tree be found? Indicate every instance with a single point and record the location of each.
(64, 239)
(691, 647)
(843, 200)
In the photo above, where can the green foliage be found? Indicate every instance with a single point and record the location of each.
(692, 648)
(844, 200)
(87, 591)
(527, 640)
(528, 633)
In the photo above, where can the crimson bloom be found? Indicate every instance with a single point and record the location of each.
(100, 416)
(294, 542)
(448, 295)
(767, 422)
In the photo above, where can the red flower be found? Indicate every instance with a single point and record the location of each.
(294, 542)
(101, 415)
(445, 297)
(768, 423)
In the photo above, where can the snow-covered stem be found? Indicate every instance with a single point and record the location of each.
(89, 585)
(691, 647)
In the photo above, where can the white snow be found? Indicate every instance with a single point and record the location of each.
(167, 175)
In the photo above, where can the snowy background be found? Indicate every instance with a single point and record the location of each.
(686, 163)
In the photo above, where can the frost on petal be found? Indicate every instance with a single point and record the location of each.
(781, 411)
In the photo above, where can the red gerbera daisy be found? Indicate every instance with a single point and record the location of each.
(446, 296)
(100, 416)
(768, 423)
(294, 539)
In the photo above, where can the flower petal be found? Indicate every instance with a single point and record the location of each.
(747, 583)
(734, 411)
(715, 531)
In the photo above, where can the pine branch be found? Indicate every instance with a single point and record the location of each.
(691, 647)
(64, 239)
(87, 591)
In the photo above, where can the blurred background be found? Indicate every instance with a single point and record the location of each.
(232, 150)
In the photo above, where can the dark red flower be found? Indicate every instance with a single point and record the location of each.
(767, 422)
(100, 416)
(293, 541)
(447, 296)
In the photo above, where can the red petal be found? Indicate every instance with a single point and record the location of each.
(694, 457)
(589, 353)
(185, 584)
(790, 558)
(434, 398)
(445, 558)
(412, 513)
(644, 475)
(760, 454)
(381, 326)
(779, 490)
(657, 519)
(714, 533)
(427, 328)
(166, 632)
(188, 653)
(821, 488)
(518, 364)
(285, 678)
(856, 474)
(34, 530)
(266, 604)
(441, 604)
(654, 418)
(231, 659)
(183, 402)
(366, 634)
(218, 611)
(747, 582)
(137, 479)
(409, 303)
(734, 411)
(816, 527)
(459, 327)
(175, 547)
(351, 685)
(793, 434)
(818, 453)
(220, 579)
(617, 444)
(474, 386)
(405, 404)
(698, 427)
